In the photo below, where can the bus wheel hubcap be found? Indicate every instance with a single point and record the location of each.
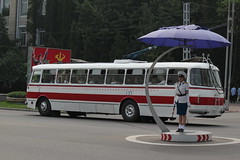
(129, 110)
(43, 106)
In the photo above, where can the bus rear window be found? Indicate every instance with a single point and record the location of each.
(96, 76)
(115, 76)
(173, 75)
(79, 76)
(36, 77)
(200, 77)
(135, 76)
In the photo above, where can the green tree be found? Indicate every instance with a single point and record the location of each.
(58, 21)
(12, 70)
(4, 40)
(102, 30)
(35, 20)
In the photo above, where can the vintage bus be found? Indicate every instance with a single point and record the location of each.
(119, 88)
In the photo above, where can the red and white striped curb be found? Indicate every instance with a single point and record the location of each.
(166, 137)
(203, 138)
(186, 136)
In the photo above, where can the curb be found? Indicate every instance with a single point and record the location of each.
(186, 136)
(18, 109)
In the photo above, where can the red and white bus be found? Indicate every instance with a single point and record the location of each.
(119, 88)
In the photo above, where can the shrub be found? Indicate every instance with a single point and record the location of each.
(17, 94)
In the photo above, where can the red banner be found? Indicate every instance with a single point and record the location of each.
(50, 55)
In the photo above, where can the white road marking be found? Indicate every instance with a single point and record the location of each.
(196, 144)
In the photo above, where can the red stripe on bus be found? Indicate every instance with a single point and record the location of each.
(119, 98)
(99, 97)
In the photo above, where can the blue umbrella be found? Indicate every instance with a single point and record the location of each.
(188, 36)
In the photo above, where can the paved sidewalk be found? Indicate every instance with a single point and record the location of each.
(234, 107)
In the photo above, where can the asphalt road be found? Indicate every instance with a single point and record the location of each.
(28, 136)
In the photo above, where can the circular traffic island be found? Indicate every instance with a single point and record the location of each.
(187, 139)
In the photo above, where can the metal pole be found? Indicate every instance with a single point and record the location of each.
(186, 21)
(227, 60)
(230, 55)
(159, 122)
(29, 63)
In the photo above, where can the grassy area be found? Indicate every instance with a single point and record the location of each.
(12, 105)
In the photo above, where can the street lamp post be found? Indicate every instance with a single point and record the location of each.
(229, 50)
(159, 122)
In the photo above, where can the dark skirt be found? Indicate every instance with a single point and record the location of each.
(182, 108)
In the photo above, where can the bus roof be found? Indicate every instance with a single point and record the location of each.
(124, 65)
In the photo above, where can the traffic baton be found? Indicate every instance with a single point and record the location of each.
(174, 106)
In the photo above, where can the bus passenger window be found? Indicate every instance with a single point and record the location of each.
(49, 76)
(36, 77)
(158, 77)
(173, 75)
(96, 76)
(79, 76)
(115, 76)
(63, 75)
(135, 76)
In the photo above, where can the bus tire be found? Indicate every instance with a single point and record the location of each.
(130, 111)
(44, 107)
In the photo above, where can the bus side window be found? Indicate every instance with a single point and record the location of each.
(49, 76)
(115, 76)
(96, 76)
(135, 76)
(173, 75)
(63, 75)
(79, 76)
(158, 77)
(36, 77)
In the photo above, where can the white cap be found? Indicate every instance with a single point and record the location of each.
(181, 73)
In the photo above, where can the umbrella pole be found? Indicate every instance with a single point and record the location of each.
(159, 122)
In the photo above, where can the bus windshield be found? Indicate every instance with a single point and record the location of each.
(216, 79)
(203, 77)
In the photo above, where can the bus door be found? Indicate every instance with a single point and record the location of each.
(36, 77)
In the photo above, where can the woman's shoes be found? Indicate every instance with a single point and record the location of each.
(180, 130)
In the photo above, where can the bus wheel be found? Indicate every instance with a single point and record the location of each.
(130, 111)
(44, 107)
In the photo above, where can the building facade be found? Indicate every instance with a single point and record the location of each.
(15, 13)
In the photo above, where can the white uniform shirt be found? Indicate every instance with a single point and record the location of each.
(181, 88)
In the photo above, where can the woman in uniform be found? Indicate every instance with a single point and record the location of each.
(181, 99)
